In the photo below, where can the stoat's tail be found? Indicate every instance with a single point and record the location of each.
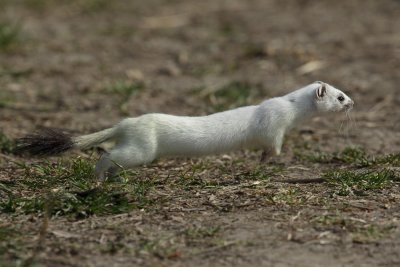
(53, 142)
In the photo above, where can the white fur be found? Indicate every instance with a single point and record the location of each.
(145, 138)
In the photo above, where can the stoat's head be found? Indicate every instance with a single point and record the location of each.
(328, 98)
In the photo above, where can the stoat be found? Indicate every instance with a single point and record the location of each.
(145, 138)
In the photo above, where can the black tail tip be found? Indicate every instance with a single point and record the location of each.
(44, 143)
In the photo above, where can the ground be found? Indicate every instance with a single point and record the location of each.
(331, 199)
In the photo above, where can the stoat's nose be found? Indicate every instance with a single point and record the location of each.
(349, 105)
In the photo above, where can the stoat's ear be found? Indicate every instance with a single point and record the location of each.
(321, 91)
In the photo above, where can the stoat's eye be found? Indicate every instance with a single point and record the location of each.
(341, 98)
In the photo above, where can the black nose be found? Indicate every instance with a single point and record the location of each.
(349, 105)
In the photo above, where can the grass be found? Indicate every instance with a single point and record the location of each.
(125, 90)
(15, 74)
(360, 231)
(190, 179)
(164, 247)
(232, 95)
(260, 172)
(363, 172)
(9, 34)
(83, 6)
(7, 233)
(391, 159)
(328, 219)
(348, 155)
(371, 233)
(352, 155)
(93, 6)
(5, 97)
(286, 196)
(201, 232)
(10, 246)
(72, 190)
(6, 144)
(252, 50)
(195, 178)
(348, 182)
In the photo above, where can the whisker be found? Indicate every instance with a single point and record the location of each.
(353, 122)
(341, 126)
(348, 126)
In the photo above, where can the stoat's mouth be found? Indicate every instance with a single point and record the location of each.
(348, 107)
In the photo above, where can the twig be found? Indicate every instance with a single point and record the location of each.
(304, 181)
(360, 207)
(12, 159)
(25, 107)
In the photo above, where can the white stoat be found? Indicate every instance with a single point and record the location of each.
(145, 138)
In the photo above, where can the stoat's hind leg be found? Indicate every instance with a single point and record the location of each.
(110, 164)
(267, 153)
(106, 167)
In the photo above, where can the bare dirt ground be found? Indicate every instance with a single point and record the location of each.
(83, 65)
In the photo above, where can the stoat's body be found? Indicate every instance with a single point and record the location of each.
(145, 138)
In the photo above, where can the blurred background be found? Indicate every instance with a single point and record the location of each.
(82, 65)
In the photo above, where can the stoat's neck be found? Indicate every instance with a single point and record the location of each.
(303, 103)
